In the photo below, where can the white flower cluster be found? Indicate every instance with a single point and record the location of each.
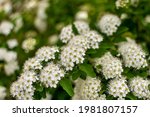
(66, 34)
(81, 15)
(46, 53)
(121, 3)
(5, 6)
(51, 75)
(93, 39)
(10, 59)
(140, 87)
(33, 71)
(72, 55)
(74, 52)
(111, 66)
(133, 55)
(109, 24)
(23, 89)
(32, 64)
(2, 92)
(29, 44)
(6, 27)
(82, 27)
(118, 87)
(12, 43)
(88, 89)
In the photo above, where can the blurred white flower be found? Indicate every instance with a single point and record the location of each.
(6, 27)
(2, 92)
(53, 39)
(6, 6)
(3, 53)
(12, 43)
(11, 67)
(109, 24)
(29, 44)
(147, 19)
(121, 3)
(10, 56)
(82, 15)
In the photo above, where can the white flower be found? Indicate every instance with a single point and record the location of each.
(72, 55)
(93, 39)
(140, 87)
(109, 24)
(46, 53)
(29, 44)
(3, 53)
(118, 87)
(6, 27)
(53, 39)
(66, 34)
(111, 66)
(90, 89)
(10, 56)
(40, 24)
(11, 67)
(82, 15)
(133, 55)
(80, 41)
(32, 64)
(2, 92)
(51, 75)
(6, 6)
(82, 27)
(23, 88)
(121, 3)
(147, 19)
(12, 43)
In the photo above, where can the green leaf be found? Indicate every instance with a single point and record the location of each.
(88, 69)
(39, 88)
(75, 31)
(76, 74)
(131, 96)
(122, 30)
(119, 39)
(67, 86)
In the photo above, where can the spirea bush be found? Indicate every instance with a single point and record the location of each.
(99, 51)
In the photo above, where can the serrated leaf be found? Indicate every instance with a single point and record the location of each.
(88, 69)
(67, 86)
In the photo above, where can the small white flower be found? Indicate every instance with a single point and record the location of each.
(66, 34)
(140, 87)
(133, 55)
(29, 44)
(121, 3)
(46, 53)
(11, 67)
(6, 27)
(51, 75)
(109, 24)
(3, 53)
(118, 87)
(82, 15)
(10, 56)
(82, 27)
(12, 43)
(2, 92)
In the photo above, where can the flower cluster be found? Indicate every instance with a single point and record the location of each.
(10, 59)
(140, 87)
(29, 44)
(121, 3)
(23, 89)
(2, 92)
(88, 89)
(118, 87)
(111, 66)
(133, 55)
(109, 24)
(51, 75)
